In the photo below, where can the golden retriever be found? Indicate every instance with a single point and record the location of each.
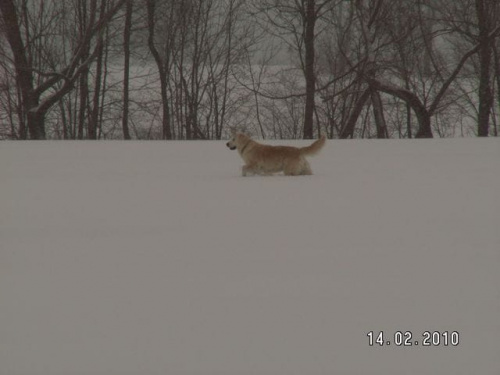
(265, 159)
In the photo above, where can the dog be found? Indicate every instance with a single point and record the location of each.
(265, 160)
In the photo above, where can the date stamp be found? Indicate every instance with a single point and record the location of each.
(408, 339)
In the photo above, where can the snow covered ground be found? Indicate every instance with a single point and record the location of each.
(149, 258)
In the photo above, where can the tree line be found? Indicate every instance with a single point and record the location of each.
(193, 69)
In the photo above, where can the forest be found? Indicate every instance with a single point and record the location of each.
(279, 69)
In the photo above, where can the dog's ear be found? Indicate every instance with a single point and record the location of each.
(239, 129)
(244, 130)
(241, 136)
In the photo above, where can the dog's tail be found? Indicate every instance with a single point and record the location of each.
(315, 147)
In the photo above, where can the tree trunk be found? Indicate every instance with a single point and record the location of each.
(424, 122)
(378, 113)
(94, 116)
(309, 23)
(497, 77)
(126, 70)
(485, 52)
(348, 130)
(83, 81)
(166, 129)
(36, 124)
(84, 94)
(24, 72)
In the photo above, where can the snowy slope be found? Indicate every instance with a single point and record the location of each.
(158, 258)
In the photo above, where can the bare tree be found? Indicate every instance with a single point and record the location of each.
(476, 23)
(295, 22)
(381, 32)
(40, 90)
(195, 45)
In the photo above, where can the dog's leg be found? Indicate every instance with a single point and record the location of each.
(292, 168)
(297, 168)
(306, 170)
(247, 169)
(290, 171)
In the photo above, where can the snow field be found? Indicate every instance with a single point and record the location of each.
(159, 258)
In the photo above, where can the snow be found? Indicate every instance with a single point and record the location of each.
(159, 258)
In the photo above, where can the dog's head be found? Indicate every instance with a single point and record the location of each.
(237, 140)
(232, 144)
